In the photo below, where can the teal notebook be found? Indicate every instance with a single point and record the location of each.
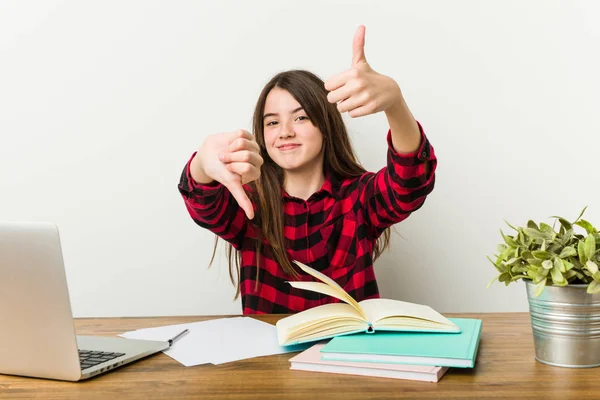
(436, 349)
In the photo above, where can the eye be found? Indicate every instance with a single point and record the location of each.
(271, 123)
(302, 118)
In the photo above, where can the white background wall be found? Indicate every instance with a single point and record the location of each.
(102, 103)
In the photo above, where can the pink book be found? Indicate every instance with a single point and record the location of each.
(310, 360)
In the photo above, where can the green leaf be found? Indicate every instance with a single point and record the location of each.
(504, 277)
(592, 267)
(589, 228)
(566, 237)
(570, 274)
(532, 225)
(581, 251)
(532, 273)
(539, 288)
(547, 264)
(590, 246)
(538, 278)
(568, 252)
(546, 228)
(491, 282)
(568, 265)
(554, 248)
(566, 224)
(521, 238)
(508, 239)
(498, 266)
(558, 263)
(512, 261)
(501, 247)
(535, 234)
(557, 277)
(534, 261)
(577, 264)
(541, 254)
(580, 215)
(505, 254)
(593, 287)
(507, 223)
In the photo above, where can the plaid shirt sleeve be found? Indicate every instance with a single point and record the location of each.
(213, 207)
(393, 193)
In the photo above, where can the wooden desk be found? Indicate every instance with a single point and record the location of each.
(505, 368)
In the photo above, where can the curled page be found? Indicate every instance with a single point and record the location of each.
(328, 287)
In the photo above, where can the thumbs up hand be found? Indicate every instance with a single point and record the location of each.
(360, 90)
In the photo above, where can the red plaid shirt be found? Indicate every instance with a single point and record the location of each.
(334, 231)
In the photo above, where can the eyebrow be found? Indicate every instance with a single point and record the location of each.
(275, 114)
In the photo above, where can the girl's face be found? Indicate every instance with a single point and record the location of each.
(292, 141)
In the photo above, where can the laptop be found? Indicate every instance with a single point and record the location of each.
(37, 333)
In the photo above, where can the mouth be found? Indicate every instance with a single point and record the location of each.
(290, 146)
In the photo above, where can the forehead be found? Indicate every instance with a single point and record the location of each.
(280, 100)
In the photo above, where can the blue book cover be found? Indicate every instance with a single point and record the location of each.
(436, 349)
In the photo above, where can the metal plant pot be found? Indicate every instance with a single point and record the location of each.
(566, 325)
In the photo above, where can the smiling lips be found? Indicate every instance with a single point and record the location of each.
(288, 146)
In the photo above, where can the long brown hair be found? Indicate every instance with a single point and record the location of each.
(339, 159)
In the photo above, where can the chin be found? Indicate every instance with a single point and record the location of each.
(289, 166)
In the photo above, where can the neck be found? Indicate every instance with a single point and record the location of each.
(303, 183)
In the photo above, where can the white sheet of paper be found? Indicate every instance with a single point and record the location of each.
(248, 338)
(198, 346)
(217, 341)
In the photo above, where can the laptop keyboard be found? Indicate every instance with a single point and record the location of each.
(89, 358)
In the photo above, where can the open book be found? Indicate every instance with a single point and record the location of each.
(337, 319)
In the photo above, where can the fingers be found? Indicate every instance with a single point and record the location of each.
(234, 185)
(240, 144)
(359, 62)
(339, 94)
(345, 91)
(247, 172)
(353, 102)
(339, 80)
(242, 140)
(358, 46)
(242, 156)
(240, 133)
(361, 111)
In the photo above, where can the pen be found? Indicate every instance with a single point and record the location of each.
(180, 334)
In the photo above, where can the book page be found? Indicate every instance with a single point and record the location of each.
(329, 291)
(310, 322)
(332, 287)
(382, 312)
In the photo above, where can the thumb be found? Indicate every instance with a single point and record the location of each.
(239, 194)
(358, 46)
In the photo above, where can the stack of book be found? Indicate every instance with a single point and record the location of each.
(401, 355)
(377, 337)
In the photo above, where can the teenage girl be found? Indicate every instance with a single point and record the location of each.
(294, 189)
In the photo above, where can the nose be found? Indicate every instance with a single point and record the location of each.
(286, 131)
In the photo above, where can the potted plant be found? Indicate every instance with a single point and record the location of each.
(562, 280)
